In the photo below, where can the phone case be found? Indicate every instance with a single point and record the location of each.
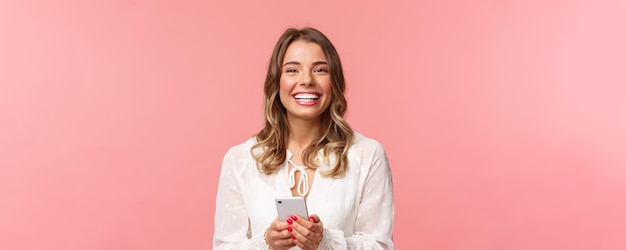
(290, 205)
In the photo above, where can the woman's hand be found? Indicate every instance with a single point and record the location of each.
(307, 234)
(278, 235)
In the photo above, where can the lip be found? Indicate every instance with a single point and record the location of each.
(307, 102)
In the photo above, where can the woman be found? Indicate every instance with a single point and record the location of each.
(305, 149)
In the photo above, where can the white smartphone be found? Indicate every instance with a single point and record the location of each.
(290, 205)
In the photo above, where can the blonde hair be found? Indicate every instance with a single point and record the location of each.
(336, 137)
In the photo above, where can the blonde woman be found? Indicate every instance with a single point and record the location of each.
(305, 149)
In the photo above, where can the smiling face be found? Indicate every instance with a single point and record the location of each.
(305, 81)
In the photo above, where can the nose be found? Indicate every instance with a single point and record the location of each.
(306, 79)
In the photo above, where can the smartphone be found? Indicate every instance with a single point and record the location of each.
(290, 205)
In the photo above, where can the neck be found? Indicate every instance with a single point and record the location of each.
(302, 133)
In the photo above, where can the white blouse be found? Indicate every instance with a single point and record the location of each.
(357, 210)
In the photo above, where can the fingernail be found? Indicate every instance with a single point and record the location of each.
(293, 237)
(289, 228)
(289, 221)
(295, 218)
(312, 219)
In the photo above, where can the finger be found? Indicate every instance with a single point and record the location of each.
(305, 237)
(285, 242)
(279, 235)
(313, 223)
(304, 242)
(278, 225)
(280, 239)
(274, 224)
(296, 219)
(314, 218)
(306, 227)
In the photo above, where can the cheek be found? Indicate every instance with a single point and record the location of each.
(286, 85)
(327, 87)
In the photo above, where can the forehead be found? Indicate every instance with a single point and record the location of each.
(304, 51)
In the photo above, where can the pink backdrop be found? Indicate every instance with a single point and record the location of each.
(504, 121)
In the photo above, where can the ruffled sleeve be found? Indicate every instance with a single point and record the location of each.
(232, 227)
(374, 222)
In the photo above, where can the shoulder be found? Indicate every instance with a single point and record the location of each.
(240, 151)
(366, 151)
(362, 143)
(368, 155)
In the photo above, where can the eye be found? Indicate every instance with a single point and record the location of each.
(291, 70)
(320, 70)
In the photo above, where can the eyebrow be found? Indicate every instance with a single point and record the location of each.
(298, 63)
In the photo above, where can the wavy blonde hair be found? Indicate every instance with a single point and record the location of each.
(336, 137)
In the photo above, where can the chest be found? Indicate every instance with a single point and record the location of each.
(335, 201)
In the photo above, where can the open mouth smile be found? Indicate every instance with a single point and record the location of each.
(307, 98)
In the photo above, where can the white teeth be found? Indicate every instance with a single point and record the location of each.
(307, 96)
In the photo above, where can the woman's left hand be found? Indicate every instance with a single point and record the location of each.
(307, 232)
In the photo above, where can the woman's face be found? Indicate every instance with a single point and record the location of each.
(305, 81)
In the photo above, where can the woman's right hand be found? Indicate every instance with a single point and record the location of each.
(278, 235)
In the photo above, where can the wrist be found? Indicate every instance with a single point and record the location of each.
(267, 245)
(325, 243)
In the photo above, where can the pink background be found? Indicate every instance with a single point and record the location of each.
(504, 121)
